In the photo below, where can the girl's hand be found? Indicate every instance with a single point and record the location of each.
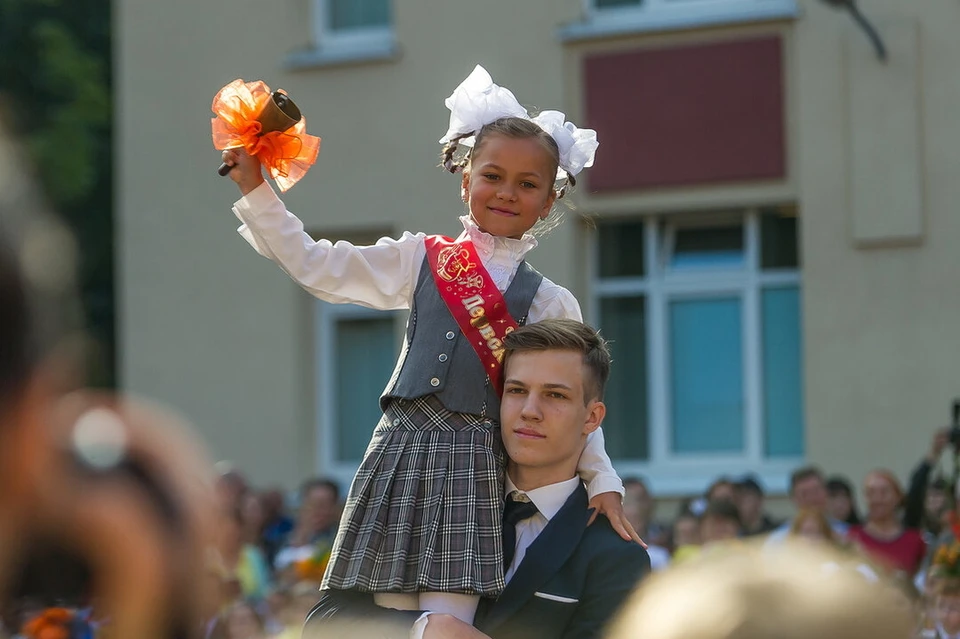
(246, 172)
(611, 505)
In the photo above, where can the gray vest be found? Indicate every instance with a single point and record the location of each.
(436, 359)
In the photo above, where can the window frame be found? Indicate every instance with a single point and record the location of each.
(358, 41)
(327, 350)
(690, 473)
(667, 15)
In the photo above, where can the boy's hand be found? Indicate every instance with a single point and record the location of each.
(246, 172)
(611, 505)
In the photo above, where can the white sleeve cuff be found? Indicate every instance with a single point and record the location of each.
(420, 626)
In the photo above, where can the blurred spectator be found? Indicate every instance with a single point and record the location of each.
(808, 491)
(936, 509)
(231, 487)
(812, 526)
(686, 535)
(720, 522)
(638, 506)
(105, 501)
(931, 499)
(315, 528)
(886, 535)
(841, 500)
(749, 501)
(242, 562)
(788, 592)
(928, 605)
(947, 611)
(277, 525)
(722, 489)
(254, 519)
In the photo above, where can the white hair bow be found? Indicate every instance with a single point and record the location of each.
(478, 101)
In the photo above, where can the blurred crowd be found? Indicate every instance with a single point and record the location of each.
(906, 534)
(270, 557)
(273, 547)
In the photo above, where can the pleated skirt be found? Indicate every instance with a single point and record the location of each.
(424, 511)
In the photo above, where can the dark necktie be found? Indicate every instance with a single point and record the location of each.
(517, 508)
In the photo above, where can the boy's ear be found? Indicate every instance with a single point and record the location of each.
(596, 411)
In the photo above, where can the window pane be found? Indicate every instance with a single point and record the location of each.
(782, 371)
(621, 249)
(706, 362)
(778, 239)
(603, 4)
(366, 352)
(625, 428)
(708, 247)
(354, 14)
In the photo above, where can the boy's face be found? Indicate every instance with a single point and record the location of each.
(948, 613)
(544, 416)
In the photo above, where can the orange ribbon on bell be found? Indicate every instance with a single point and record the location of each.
(267, 125)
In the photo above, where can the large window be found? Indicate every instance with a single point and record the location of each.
(356, 351)
(703, 315)
(353, 26)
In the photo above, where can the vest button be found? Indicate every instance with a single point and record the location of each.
(451, 334)
(442, 357)
(435, 382)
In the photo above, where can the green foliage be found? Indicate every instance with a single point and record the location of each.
(55, 87)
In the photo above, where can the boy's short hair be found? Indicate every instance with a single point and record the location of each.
(565, 335)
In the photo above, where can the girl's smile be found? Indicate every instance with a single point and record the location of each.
(509, 185)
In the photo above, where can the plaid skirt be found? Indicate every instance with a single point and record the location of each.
(424, 510)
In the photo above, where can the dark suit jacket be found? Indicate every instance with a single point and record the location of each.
(571, 582)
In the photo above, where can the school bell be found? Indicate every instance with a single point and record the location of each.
(279, 114)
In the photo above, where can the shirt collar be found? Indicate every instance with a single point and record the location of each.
(548, 499)
(487, 244)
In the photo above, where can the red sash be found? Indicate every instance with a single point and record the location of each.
(473, 299)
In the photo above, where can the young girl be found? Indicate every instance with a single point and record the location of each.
(421, 526)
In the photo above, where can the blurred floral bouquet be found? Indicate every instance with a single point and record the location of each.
(52, 623)
(313, 567)
(946, 561)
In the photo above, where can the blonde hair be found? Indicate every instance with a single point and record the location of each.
(791, 591)
(819, 517)
(890, 478)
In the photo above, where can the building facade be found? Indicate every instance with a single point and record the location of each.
(767, 237)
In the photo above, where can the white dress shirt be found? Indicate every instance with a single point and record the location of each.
(548, 500)
(384, 277)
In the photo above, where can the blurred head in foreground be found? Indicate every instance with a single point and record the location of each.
(104, 502)
(790, 591)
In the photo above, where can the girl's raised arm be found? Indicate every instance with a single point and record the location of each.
(381, 276)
